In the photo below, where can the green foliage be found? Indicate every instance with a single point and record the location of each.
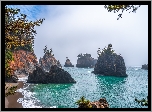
(106, 50)
(27, 47)
(83, 103)
(11, 90)
(117, 8)
(47, 52)
(18, 31)
(8, 58)
(19, 34)
(144, 102)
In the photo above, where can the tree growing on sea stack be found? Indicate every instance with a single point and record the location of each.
(109, 63)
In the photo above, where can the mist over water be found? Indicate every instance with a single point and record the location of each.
(119, 92)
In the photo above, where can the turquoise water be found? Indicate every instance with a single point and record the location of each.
(120, 92)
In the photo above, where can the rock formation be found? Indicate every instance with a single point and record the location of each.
(145, 67)
(102, 103)
(11, 79)
(83, 103)
(24, 62)
(68, 63)
(85, 61)
(48, 60)
(55, 75)
(109, 63)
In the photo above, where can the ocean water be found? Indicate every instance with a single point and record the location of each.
(120, 92)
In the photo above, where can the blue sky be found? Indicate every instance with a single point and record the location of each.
(73, 29)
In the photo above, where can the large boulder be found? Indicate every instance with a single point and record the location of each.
(145, 67)
(55, 75)
(109, 63)
(85, 61)
(68, 63)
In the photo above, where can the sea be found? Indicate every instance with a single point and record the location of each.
(120, 92)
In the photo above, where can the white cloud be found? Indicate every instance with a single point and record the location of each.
(70, 30)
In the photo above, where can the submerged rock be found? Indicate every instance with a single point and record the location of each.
(145, 67)
(85, 61)
(55, 75)
(68, 63)
(109, 63)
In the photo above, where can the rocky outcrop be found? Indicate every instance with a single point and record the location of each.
(68, 63)
(55, 75)
(24, 62)
(85, 61)
(48, 60)
(145, 67)
(109, 63)
(83, 103)
(102, 103)
(11, 79)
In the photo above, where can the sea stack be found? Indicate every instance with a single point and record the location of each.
(49, 70)
(56, 75)
(109, 63)
(145, 67)
(48, 60)
(68, 63)
(85, 61)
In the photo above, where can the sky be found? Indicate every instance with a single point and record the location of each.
(73, 29)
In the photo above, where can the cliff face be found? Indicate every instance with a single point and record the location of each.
(109, 63)
(85, 61)
(24, 62)
(68, 63)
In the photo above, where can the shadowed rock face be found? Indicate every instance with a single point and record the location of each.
(145, 67)
(85, 61)
(68, 63)
(55, 75)
(110, 64)
(11, 79)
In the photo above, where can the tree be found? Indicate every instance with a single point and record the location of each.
(83, 103)
(18, 32)
(117, 8)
